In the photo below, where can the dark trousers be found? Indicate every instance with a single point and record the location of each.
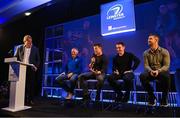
(90, 75)
(164, 80)
(30, 84)
(127, 78)
(62, 80)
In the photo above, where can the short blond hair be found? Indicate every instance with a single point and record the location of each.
(27, 37)
(77, 51)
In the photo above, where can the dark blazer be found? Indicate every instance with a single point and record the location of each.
(34, 57)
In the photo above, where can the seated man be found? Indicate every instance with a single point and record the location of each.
(124, 63)
(73, 69)
(156, 64)
(98, 68)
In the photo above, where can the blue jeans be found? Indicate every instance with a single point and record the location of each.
(63, 82)
(90, 75)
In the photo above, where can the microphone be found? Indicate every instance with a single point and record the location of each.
(92, 62)
(10, 53)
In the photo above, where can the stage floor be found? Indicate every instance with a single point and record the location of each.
(56, 108)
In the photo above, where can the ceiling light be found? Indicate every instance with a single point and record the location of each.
(27, 13)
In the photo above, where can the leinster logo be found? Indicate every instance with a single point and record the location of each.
(115, 12)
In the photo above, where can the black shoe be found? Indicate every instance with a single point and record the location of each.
(151, 101)
(86, 98)
(85, 101)
(97, 99)
(118, 98)
(31, 102)
(26, 101)
(164, 103)
(125, 98)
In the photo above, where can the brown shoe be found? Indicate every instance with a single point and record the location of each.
(69, 96)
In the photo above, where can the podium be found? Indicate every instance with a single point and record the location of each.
(17, 78)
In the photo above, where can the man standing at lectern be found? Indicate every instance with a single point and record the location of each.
(29, 54)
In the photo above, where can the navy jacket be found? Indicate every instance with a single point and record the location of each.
(74, 65)
(34, 57)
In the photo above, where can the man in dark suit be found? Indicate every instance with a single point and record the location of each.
(29, 54)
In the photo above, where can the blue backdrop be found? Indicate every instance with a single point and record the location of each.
(161, 17)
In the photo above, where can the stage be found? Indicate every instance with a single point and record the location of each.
(52, 107)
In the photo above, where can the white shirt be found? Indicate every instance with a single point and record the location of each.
(27, 52)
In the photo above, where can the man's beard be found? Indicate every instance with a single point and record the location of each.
(150, 44)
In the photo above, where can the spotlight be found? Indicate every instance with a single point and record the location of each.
(27, 13)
